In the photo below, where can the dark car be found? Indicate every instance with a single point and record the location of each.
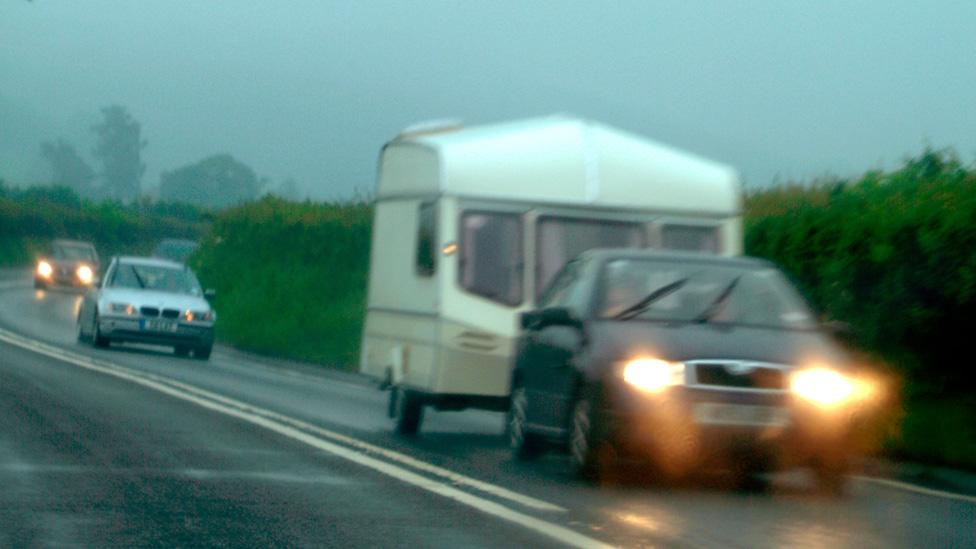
(175, 249)
(683, 360)
(68, 263)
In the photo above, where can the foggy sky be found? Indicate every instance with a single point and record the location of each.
(312, 89)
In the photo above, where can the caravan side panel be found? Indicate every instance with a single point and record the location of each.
(400, 332)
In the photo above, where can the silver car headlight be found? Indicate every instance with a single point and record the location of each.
(199, 316)
(122, 308)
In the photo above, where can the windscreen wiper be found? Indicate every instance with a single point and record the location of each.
(716, 305)
(142, 283)
(645, 304)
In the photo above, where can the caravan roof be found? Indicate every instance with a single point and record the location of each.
(560, 160)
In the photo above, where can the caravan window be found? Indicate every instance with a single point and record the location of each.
(490, 256)
(560, 239)
(426, 239)
(690, 238)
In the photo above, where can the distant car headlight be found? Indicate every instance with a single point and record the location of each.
(122, 308)
(85, 274)
(823, 386)
(44, 269)
(653, 375)
(203, 316)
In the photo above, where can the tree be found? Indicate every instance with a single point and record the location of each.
(215, 182)
(68, 169)
(119, 150)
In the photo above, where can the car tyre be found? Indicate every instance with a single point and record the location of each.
(831, 476)
(408, 410)
(181, 351)
(525, 445)
(591, 454)
(98, 340)
(39, 285)
(79, 330)
(203, 353)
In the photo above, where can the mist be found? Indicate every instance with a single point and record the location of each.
(310, 90)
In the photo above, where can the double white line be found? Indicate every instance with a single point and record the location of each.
(393, 464)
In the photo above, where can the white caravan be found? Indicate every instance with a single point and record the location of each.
(471, 224)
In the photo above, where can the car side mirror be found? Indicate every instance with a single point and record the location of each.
(209, 293)
(552, 316)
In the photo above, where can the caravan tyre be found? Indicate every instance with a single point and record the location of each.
(408, 410)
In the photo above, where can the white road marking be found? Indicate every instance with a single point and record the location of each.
(915, 488)
(288, 427)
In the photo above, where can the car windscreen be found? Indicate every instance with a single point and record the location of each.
(701, 292)
(73, 253)
(158, 278)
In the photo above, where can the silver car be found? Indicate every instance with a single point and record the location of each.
(149, 300)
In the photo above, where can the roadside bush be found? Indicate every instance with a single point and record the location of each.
(893, 254)
(30, 218)
(290, 277)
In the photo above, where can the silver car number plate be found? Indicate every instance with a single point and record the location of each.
(713, 413)
(159, 325)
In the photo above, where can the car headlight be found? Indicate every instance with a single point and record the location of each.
(822, 386)
(85, 274)
(653, 375)
(204, 316)
(44, 269)
(122, 308)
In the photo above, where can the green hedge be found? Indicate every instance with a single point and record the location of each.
(894, 255)
(290, 277)
(31, 218)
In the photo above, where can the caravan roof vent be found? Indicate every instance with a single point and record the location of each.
(429, 127)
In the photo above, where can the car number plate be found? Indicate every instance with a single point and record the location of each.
(159, 325)
(710, 413)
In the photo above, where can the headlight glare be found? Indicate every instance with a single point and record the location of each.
(85, 274)
(822, 386)
(44, 269)
(653, 375)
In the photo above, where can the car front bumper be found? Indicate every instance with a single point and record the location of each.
(669, 429)
(134, 330)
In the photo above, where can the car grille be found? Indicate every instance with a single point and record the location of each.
(149, 311)
(725, 374)
(171, 313)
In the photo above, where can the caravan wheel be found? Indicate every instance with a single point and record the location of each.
(408, 410)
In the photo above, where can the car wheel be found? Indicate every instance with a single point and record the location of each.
(181, 350)
(831, 476)
(98, 339)
(39, 285)
(408, 410)
(591, 455)
(524, 445)
(202, 353)
(79, 330)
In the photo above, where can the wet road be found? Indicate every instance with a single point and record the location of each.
(133, 446)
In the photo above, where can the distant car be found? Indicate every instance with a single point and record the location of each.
(175, 249)
(68, 263)
(682, 360)
(149, 300)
